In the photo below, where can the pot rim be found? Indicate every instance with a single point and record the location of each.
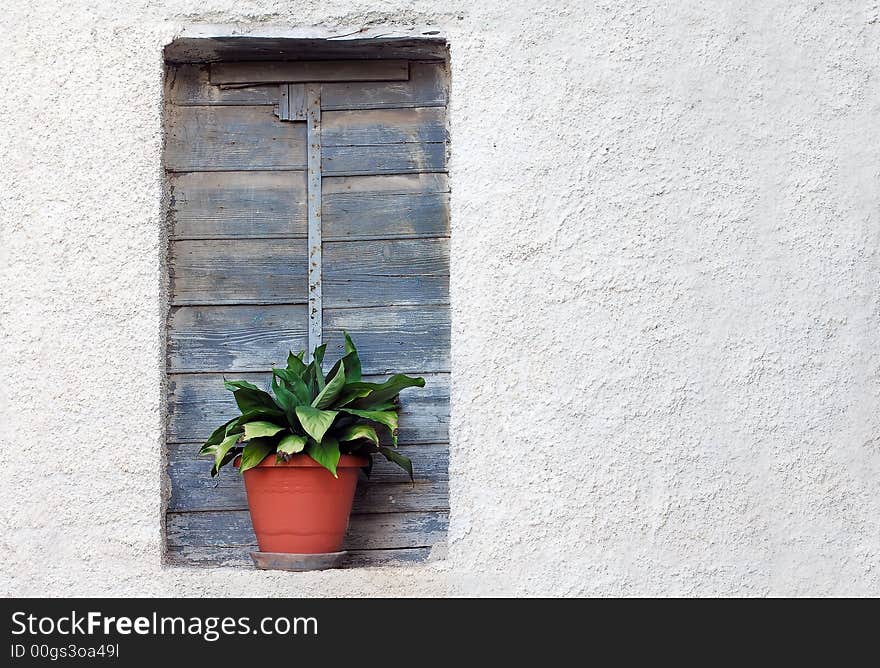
(304, 461)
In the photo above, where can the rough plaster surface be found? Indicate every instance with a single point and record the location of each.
(665, 298)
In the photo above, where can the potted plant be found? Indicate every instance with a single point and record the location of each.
(300, 447)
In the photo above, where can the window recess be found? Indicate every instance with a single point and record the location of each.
(307, 197)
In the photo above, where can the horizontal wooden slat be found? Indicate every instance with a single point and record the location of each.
(365, 532)
(253, 338)
(232, 138)
(378, 273)
(383, 126)
(207, 205)
(306, 71)
(197, 403)
(384, 159)
(184, 555)
(426, 88)
(373, 216)
(244, 271)
(386, 184)
(388, 490)
(234, 338)
(189, 85)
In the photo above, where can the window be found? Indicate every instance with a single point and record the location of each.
(270, 164)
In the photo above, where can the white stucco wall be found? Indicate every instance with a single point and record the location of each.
(665, 279)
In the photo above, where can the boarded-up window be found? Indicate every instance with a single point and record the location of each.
(237, 158)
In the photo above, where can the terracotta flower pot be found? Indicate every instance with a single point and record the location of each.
(298, 506)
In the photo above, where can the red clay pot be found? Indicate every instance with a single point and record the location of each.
(298, 506)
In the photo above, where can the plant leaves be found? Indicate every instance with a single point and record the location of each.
(295, 363)
(359, 431)
(216, 437)
(352, 391)
(403, 462)
(255, 452)
(221, 452)
(259, 429)
(331, 390)
(293, 383)
(317, 361)
(387, 418)
(248, 396)
(325, 452)
(314, 421)
(291, 444)
(388, 390)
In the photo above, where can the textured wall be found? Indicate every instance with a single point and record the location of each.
(664, 280)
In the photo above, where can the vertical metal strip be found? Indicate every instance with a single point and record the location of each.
(313, 123)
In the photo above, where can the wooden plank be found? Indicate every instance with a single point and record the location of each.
(386, 184)
(210, 205)
(188, 85)
(232, 138)
(315, 137)
(383, 126)
(380, 273)
(249, 338)
(404, 158)
(388, 489)
(183, 555)
(427, 87)
(305, 71)
(234, 338)
(360, 216)
(365, 532)
(197, 403)
(244, 271)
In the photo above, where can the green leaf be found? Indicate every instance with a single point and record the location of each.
(255, 452)
(358, 431)
(259, 429)
(388, 390)
(291, 444)
(295, 363)
(331, 390)
(216, 437)
(314, 421)
(293, 383)
(388, 418)
(221, 452)
(248, 396)
(403, 462)
(353, 361)
(352, 391)
(325, 452)
(317, 361)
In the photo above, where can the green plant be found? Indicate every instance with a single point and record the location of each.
(323, 417)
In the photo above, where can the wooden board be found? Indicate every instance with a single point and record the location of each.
(361, 216)
(307, 71)
(383, 126)
(388, 490)
(181, 554)
(232, 138)
(244, 271)
(384, 159)
(210, 205)
(188, 85)
(366, 532)
(426, 88)
(244, 338)
(379, 273)
(198, 403)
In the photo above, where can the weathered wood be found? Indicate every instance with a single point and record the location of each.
(197, 403)
(234, 338)
(384, 159)
(239, 556)
(210, 205)
(365, 532)
(383, 126)
(379, 273)
(232, 138)
(388, 489)
(387, 184)
(426, 87)
(315, 138)
(188, 85)
(308, 71)
(359, 216)
(245, 338)
(244, 271)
